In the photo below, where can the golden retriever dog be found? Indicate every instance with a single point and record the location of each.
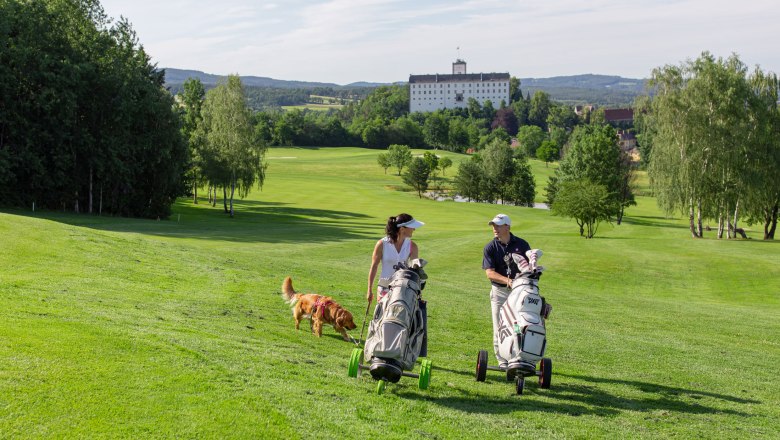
(319, 309)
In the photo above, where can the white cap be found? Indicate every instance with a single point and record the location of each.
(411, 224)
(501, 219)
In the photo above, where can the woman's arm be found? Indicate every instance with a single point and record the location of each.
(376, 257)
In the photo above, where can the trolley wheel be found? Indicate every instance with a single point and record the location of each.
(519, 383)
(425, 374)
(482, 363)
(380, 386)
(354, 362)
(545, 373)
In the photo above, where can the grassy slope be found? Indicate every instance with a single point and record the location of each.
(128, 328)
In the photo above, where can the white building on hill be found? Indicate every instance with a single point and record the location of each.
(428, 93)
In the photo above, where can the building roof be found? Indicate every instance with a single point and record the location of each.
(618, 114)
(438, 77)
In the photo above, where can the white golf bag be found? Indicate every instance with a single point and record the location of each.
(522, 335)
(396, 335)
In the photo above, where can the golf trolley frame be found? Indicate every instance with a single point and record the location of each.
(517, 375)
(356, 368)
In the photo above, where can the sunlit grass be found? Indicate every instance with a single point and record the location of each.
(113, 327)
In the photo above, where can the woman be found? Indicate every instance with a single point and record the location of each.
(397, 246)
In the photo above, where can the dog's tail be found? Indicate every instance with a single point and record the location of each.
(288, 293)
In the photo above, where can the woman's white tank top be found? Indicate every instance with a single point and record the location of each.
(391, 257)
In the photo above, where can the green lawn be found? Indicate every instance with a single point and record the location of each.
(125, 328)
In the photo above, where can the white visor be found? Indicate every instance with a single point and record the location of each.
(413, 224)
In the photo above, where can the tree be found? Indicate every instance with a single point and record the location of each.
(763, 198)
(559, 137)
(522, 187)
(417, 176)
(432, 160)
(444, 163)
(85, 122)
(701, 158)
(505, 118)
(498, 169)
(459, 139)
(192, 100)
(593, 155)
(561, 116)
(468, 181)
(547, 152)
(383, 159)
(586, 202)
(436, 129)
(530, 138)
(539, 109)
(515, 94)
(230, 139)
(400, 156)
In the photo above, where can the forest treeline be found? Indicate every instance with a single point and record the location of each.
(85, 122)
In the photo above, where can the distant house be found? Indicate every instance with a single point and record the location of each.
(580, 110)
(619, 116)
(627, 142)
(626, 139)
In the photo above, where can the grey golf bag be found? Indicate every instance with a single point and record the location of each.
(397, 333)
(522, 334)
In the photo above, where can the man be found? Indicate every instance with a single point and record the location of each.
(496, 256)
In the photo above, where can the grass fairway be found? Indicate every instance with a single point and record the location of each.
(125, 328)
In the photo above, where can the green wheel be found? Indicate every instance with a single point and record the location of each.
(354, 362)
(380, 386)
(425, 374)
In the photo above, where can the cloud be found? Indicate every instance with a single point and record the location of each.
(344, 41)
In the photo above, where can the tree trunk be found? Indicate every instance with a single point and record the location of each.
(698, 215)
(232, 191)
(720, 227)
(90, 190)
(690, 220)
(224, 198)
(771, 234)
(771, 222)
(76, 205)
(736, 216)
(100, 206)
(620, 215)
(195, 191)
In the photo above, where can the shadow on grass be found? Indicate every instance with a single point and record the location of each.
(585, 399)
(253, 221)
(644, 220)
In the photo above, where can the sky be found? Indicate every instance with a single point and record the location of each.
(345, 41)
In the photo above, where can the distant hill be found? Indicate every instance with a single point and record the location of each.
(604, 90)
(178, 76)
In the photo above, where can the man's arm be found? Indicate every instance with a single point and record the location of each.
(498, 278)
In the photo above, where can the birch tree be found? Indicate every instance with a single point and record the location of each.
(236, 160)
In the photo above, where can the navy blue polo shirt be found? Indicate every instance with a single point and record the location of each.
(495, 252)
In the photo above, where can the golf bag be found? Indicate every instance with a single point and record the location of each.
(522, 335)
(397, 333)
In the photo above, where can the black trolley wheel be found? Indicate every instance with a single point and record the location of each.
(482, 363)
(519, 384)
(545, 373)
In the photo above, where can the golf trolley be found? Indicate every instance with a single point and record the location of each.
(397, 335)
(522, 336)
